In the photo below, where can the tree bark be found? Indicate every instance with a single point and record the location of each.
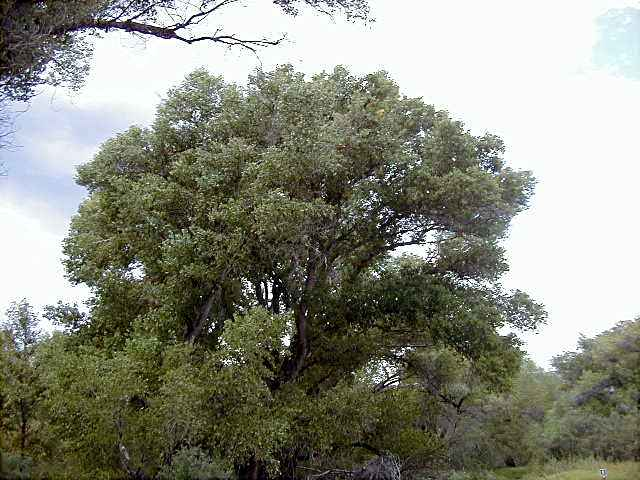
(195, 329)
(301, 341)
(252, 470)
(24, 419)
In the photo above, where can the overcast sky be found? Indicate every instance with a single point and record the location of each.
(521, 70)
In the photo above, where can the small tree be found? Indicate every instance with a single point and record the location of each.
(21, 389)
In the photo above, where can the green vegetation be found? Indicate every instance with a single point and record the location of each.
(512, 473)
(245, 299)
(572, 470)
(251, 314)
(587, 407)
(626, 471)
(251, 317)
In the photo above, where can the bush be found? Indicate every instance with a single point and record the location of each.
(582, 433)
(15, 467)
(193, 464)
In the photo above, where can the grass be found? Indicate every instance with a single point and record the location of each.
(575, 470)
(514, 473)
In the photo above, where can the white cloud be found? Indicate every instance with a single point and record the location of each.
(30, 258)
(59, 153)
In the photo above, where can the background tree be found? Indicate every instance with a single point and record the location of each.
(21, 388)
(603, 372)
(485, 424)
(599, 412)
(587, 407)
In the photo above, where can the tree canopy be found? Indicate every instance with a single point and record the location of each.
(286, 194)
(603, 373)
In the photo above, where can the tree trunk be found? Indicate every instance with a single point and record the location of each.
(252, 470)
(300, 343)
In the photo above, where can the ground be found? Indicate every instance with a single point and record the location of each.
(585, 470)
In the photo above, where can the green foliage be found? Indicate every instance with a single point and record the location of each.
(16, 467)
(598, 414)
(288, 194)
(28, 45)
(249, 311)
(505, 428)
(150, 400)
(50, 42)
(192, 464)
(21, 388)
(588, 407)
(577, 432)
(603, 374)
(21, 327)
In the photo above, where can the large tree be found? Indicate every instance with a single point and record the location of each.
(259, 225)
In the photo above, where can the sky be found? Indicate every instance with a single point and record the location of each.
(522, 70)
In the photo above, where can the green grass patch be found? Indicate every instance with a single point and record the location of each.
(575, 470)
(511, 473)
(621, 471)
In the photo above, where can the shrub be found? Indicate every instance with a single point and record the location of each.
(15, 466)
(193, 464)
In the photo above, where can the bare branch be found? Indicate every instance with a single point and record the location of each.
(197, 17)
(167, 33)
(52, 45)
